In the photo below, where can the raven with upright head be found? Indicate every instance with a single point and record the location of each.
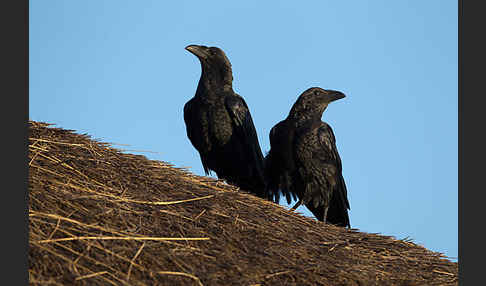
(303, 162)
(220, 127)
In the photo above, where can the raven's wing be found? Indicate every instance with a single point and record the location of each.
(196, 128)
(339, 204)
(244, 128)
(279, 163)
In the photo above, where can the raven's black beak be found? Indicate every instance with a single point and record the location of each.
(199, 51)
(333, 95)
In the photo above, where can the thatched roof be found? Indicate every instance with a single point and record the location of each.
(101, 217)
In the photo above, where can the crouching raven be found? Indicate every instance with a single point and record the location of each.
(303, 161)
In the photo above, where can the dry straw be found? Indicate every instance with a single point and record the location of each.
(98, 216)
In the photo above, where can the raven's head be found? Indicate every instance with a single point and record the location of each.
(320, 96)
(314, 101)
(213, 61)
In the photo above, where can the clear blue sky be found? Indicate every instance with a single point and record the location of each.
(118, 71)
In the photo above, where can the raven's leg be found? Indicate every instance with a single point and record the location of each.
(296, 205)
(325, 214)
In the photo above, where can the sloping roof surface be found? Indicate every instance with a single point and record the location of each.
(98, 216)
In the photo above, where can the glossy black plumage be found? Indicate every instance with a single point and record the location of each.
(303, 162)
(219, 125)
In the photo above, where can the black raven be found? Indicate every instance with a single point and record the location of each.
(220, 127)
(303, 161)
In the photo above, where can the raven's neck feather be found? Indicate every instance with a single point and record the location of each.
(215, 80)
(305, 115)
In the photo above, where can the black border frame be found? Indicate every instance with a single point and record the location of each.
(14, 213)
(470, 124)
